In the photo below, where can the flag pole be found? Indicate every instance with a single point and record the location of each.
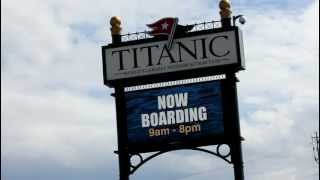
(173, 30)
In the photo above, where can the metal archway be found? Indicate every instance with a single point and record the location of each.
(134, 168)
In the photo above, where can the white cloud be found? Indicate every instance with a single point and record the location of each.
(60, 126)
(281, 83)
(56, 110)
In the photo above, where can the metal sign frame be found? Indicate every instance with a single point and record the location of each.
(233, 138)
(183, 74)
(223, 139)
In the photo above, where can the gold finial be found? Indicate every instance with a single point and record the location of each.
(225, 11)
(115, 23)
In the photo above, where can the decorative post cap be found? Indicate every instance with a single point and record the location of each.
(115, 23)
(225, 11)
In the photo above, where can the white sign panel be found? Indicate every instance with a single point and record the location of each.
(210, 50)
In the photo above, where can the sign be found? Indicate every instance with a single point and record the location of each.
(197, 50)
(175, 117)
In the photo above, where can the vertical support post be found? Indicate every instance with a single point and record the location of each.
(123, 153)
(236, 149)
(124, 160)
(225, 13)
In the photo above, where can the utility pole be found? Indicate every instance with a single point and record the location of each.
(315, 144)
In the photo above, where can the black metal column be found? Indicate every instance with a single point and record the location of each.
(124, 161)
(116, 38)
(226, 22)
(123, 153)
(236, 150)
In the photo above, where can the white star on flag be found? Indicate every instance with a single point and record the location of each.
(165, 25)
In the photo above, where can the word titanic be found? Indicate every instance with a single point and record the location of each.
(159, 54)
(172, 112)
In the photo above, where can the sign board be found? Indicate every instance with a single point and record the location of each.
(197, 50)
(176, 117)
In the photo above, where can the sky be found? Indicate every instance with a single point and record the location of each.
(58, 119)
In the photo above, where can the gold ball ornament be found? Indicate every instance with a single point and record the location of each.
(115, 21)
(225, 11)
(224, 4)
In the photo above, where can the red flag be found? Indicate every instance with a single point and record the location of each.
(165, 26)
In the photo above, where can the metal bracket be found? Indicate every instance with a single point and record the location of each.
(142, 160)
